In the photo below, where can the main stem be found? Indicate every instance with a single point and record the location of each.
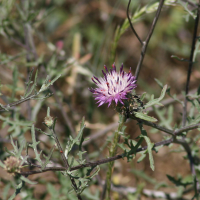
(112, 152)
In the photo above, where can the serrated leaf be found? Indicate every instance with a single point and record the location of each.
(149, 148)
(145, 117)
(180, 181)
(149, 145)
(156, 101)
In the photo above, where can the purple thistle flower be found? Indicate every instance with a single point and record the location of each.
(114, 86)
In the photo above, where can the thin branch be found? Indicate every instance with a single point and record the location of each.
(106, 160)
(146, 42)
(127, 13)
(60, 149)
(190, 157)
(154, 125)
(171, 132)
(112, 126)
(18, 42)
(186, 128)
(65, 162)
(93, 164)
(193, 5)
(184, 117)
(8, 106)
(190, 67)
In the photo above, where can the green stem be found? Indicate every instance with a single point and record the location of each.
(112, 152)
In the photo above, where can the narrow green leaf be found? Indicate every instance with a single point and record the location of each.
(14, 145)
(43, 132)
(141, 158)
(141, 174)
(35, 110)
(53, 191)
(143, 96)
(34, 145)
(22, 143)
(48, 157)
(158, 82)
(27, 180)
(145, 117)
(80, 134)
(156, 101)
(9, 152)
(46, 85)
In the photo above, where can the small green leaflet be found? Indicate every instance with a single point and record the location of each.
(156, 101)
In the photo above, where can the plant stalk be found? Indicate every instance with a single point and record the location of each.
(112, 152)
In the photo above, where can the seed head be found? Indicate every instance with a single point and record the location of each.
(12, 165)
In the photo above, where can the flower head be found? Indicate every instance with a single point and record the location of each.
(114, 86)
(12, 165)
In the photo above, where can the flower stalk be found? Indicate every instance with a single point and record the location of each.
(114, 88)
(112, 152)
(50, 123)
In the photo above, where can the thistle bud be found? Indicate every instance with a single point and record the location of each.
(48, 120)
